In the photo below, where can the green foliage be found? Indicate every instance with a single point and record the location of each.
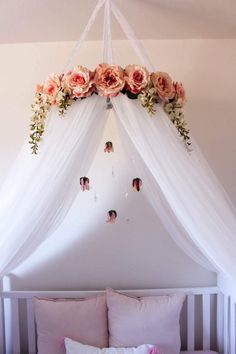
(64, 100)
(175, 112)
(40, 109)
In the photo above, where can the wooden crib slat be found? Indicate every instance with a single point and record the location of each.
(226, 323)
(232, 327)
(206, 313)
(15, 326)
(2, 327)
(190, 322)
(31, 327)
(219, 322)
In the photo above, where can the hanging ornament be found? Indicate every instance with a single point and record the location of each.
(84, 183)
(108, 147)
(136, 184)
(111, 216)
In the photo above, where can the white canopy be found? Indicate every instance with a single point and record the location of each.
(179, 185)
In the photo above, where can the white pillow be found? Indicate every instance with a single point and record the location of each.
(73, 347)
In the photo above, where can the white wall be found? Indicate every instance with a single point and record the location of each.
(136, 252)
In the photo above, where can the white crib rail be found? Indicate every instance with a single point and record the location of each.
(224, 318)
(2, 326)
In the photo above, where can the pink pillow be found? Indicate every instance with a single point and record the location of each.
(150, 319)
(73, 347)
(82, 319)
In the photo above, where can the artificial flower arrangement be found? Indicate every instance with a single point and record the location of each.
(108, 81)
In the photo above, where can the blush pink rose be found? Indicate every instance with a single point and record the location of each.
(136, 78)
(180, 92)
(163, 84)
(79, 81)
(109, 80)
(51, 87)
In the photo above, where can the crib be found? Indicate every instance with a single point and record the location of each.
(207, 320)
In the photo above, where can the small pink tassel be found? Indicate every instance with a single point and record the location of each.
(84, 184)
(111, 216)
(108, 147)
(137, 184)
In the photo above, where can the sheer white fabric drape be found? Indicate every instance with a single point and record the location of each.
(155, 197)
(72, 61)
(41, 189)
(187, 183)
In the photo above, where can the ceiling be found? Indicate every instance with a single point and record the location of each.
(64, 20)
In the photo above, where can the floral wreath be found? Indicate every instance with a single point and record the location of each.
(108, 81)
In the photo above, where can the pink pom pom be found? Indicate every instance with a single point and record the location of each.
(154, 350)
(62, 342)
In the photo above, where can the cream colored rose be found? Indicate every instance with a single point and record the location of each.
(79, 81)
(180, 92)
(51, 87)
(109, 80)
(163, 84)
(136, 78)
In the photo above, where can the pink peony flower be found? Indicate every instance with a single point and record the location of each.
(136, 78)
(180, 92)
(163, 84)
(79, 81)
(109, 80)
(51, 87)
(153, 350)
